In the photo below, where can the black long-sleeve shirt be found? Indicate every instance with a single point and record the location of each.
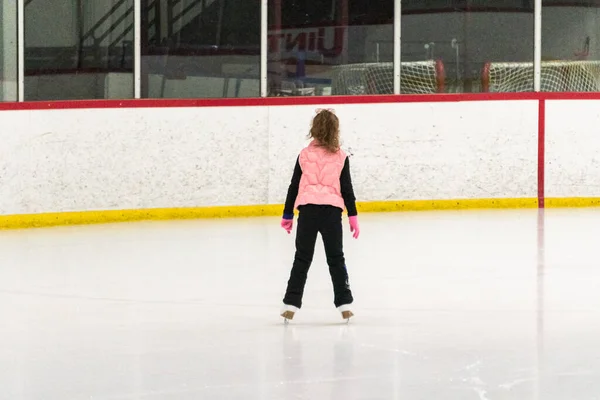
(345, 187)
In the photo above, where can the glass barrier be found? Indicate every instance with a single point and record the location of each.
(465, 46)
(570, 46)
(78, 49)
(211, 48)
(330, 47)
(200, 48)
(8, 50)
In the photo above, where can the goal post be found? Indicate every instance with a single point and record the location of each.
(557, 76)
(416, 77)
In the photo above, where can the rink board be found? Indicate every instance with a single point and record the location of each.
(113, 164)
(572, 148)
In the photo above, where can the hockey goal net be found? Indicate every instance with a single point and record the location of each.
(556, 76)
(418, 77)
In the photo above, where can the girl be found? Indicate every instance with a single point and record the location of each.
(321, 188)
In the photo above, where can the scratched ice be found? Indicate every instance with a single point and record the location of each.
(449, 305)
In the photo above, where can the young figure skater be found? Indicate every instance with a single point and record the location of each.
(320, 189)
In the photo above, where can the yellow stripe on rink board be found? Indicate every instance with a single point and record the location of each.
(458, 204)
(23, 221)
(160, 214)
(568, 202)
(152, 214)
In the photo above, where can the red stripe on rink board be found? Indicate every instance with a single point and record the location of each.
(569, 95)
(292, 101)
(541, 151)
(269, 101)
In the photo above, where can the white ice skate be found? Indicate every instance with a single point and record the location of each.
(346, 312)
(287, 312)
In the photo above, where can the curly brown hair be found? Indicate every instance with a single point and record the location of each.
(325, 130)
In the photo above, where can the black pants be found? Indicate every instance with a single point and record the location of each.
(326, 220)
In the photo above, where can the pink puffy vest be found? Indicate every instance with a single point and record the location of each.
(320, 182)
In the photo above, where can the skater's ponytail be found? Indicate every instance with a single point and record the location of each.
(325, 130)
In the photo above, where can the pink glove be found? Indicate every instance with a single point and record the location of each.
(354, 226)
(287, 224)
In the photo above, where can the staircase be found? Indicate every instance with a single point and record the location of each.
(190, 49)
(105, 45)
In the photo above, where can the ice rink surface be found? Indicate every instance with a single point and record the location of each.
(449, 305)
